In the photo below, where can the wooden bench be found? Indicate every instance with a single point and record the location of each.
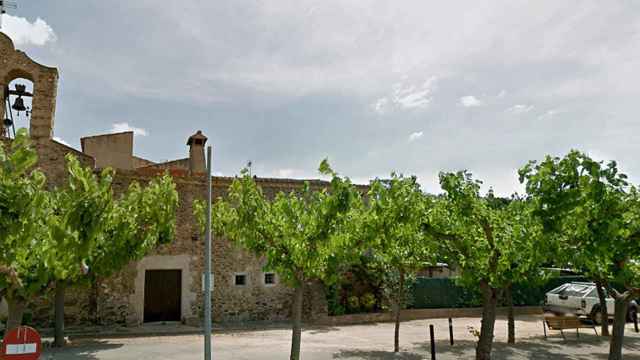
(564, 323)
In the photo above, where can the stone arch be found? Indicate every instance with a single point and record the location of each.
(20, 119)
(16, 64)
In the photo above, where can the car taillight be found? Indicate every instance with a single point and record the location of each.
(583, 303)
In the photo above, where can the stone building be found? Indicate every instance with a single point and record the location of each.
(167, 285)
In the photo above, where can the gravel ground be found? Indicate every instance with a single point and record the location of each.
(374, 341)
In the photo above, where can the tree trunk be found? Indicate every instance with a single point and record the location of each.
(16, 311)
(59, 314)
(397, 308)
(296, 336)
(600, 286)
(619, 322)
(511, 318)
(489, 303)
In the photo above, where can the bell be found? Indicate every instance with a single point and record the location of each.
(7, 123)
(18, 105)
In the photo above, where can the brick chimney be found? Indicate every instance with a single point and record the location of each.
(197, 162)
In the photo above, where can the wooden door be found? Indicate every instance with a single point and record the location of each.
(162, 292)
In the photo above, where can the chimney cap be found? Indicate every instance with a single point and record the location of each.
(198, 138)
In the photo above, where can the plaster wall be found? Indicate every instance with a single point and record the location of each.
(110, 150)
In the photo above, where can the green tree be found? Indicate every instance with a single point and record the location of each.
(52, 236)
(299, 233)
(142, 218)
(80, 213)
(392, 232)
(23, 212)
(94, 230)
(592, 209)
(493, 247)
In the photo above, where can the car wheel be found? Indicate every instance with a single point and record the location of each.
(596, 316)
(632, 313)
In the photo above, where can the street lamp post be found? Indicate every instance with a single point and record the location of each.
(207, 266)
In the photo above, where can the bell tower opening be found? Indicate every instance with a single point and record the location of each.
(18, 103)
(41, 83)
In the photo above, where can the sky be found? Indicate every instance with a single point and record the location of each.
(415, 87)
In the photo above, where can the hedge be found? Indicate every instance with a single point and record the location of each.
(430, 293)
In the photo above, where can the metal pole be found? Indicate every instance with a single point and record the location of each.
(207, 266)
(433, 343)
(635, 320)
(451, 331)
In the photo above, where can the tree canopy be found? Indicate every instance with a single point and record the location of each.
(23, 213)
(493, 245)
(52, 236)
(391, 230)
(299, 234)
(591, 208)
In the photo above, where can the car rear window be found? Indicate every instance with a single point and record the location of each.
(575, 290)
(558, 289)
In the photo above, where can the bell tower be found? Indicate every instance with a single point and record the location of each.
(16, 64)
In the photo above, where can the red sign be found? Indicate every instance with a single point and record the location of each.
(21, 343)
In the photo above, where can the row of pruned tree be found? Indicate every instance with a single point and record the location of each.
(576, 213)
(53, 238)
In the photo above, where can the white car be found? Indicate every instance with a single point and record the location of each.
(581, 298)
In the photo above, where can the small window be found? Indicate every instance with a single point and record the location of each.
(269, 278)
(240, 280)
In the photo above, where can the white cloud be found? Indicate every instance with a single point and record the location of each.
(381, 105)
(415, 136)
(548, 115)
(23, 32)
(470, 101)
(520, 109)
(61, 141)
(408, 96)
(122, 127)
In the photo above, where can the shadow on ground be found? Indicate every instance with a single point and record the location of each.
(87, 350)
(376, 355)
(585, 348)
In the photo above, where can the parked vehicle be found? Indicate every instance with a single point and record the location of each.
(581, 299)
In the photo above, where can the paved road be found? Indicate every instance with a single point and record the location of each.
(372, 342)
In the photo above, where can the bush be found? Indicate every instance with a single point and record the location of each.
(353, 304)
(368, 302)
(333, 301)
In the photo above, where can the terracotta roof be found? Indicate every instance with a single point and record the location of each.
(185, 175)
(165, 164)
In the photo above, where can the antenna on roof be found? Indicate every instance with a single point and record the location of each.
(249, 163)
(4, 5)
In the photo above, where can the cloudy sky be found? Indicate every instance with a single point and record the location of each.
(375, 86)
